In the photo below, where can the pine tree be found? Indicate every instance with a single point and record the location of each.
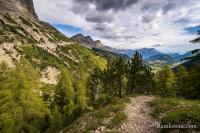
(95, 85)
(80, 89)
(193, 82)
(108, 79)
(167, 82)
(182, 79)
(21, 107)
(64, 94)
(136, 67)
(120, 71)
(148, 81)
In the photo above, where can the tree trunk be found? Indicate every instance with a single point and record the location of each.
(120, 88)
(96, 98)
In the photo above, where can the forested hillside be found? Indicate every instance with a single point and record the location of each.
(50, 83)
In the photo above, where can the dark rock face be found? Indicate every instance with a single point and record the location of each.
(87, 41)
(18, 8)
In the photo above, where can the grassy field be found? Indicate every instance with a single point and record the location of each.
(108, 117)
(176, 111)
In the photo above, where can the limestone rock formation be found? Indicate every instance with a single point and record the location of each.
(87, 41)
(18, 8)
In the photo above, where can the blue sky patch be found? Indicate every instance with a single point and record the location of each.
(68, 29)
(193, 30)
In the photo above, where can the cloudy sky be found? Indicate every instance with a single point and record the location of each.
(167, 25)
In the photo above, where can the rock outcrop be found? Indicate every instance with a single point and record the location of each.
(87, 41)
(18, 8)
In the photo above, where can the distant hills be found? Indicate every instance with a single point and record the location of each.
(88, 42)
(163, 57)
(148, 54)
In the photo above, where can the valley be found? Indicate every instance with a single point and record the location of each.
(53, 83)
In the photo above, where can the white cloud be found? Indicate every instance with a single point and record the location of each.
(142, 23)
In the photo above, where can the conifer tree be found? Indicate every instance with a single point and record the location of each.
(167, 82)
(64, 94)
(148, 81)
(80, 89)
(120, 71)
(193, 82)
(136, 67)
(108, 79)
(182, 80)
(95, 85)
(21, 107)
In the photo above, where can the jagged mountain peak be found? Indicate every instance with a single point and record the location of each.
(87, 41)
(18, 8)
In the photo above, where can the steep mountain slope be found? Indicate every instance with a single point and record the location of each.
(161, 57)
(23, 35)
(98, 47)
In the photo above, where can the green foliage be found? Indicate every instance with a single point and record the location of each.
(109, 84)
(166, 82)
(105, 86)
(120, 72)
(80, 89)
(137, 74)
(182, 81)
(64, 95)
(39, 57)
(117, 120)
(109, 116)
(193, 83)
(80, 57)
(21, 108)
(95, 86)
(176, 111)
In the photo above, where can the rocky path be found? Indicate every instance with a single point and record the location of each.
(138, 116)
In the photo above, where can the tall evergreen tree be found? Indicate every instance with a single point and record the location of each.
(108, 79)
(148, 81)
(95, 85)
(21, 107)
(136, 67)
(64, 94)
(194, 84)
(120, 71)
(80, 89)
(182, 80)
(167, 82)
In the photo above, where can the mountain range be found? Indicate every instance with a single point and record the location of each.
(88, 42)
(150, 54)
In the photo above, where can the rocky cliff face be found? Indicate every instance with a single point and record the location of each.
(18, 8)
(87, 41)
(22, 35)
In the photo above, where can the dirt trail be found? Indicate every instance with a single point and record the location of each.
(138, 116)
